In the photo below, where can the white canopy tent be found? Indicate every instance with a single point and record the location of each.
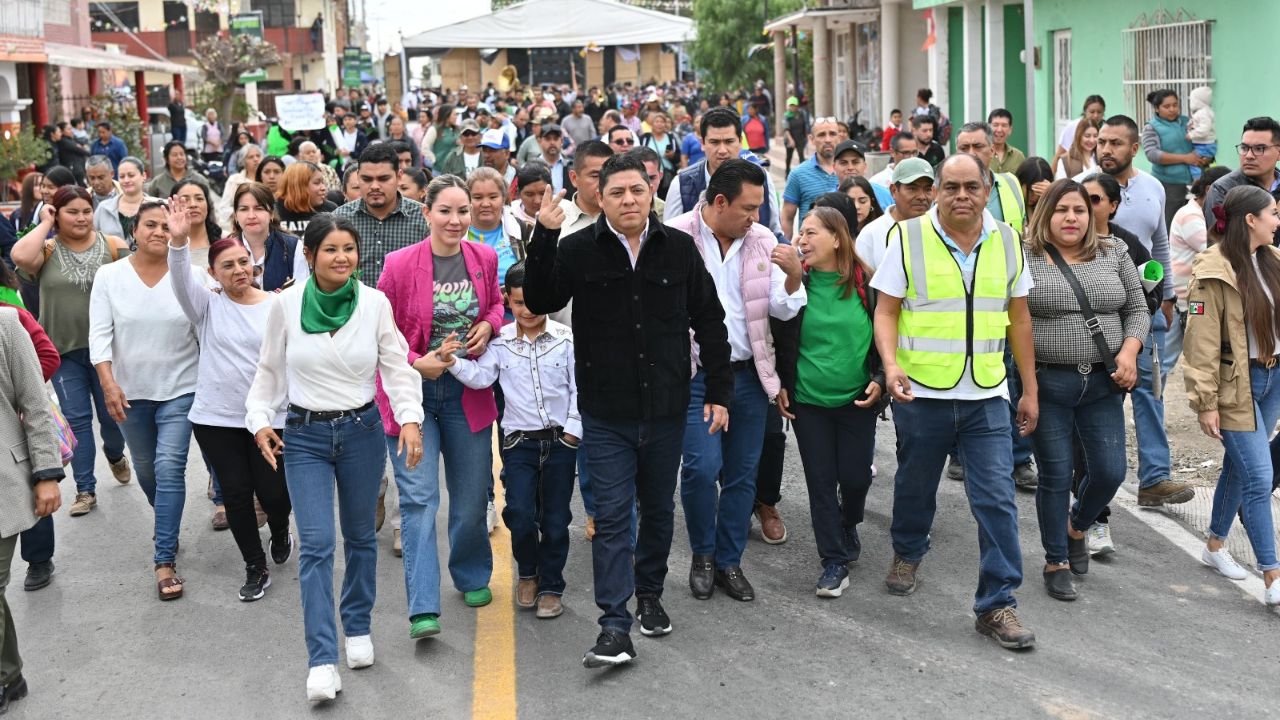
(557, 24)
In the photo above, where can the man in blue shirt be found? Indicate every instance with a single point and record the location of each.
(851, 161)
(814, 176)
(110, 145)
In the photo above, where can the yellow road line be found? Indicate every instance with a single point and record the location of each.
(493, 689)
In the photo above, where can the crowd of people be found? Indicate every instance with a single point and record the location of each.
(614, 286)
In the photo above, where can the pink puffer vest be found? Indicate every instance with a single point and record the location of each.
(756, 270)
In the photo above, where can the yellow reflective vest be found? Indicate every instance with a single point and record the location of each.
(1012, 204)
(945, 326)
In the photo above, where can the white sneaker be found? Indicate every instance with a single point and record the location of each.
(1099, 537)
(1272, 595)
(1223, 563)
(491, 517)
(359, 651)
(323, 683)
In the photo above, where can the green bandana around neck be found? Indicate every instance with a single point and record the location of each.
(326, 312)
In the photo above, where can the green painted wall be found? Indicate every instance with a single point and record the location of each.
(1241, 69)
(955, 63)
(1015, 84)
(1015, 91)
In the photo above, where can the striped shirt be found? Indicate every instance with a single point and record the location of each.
(806, 183)
(405, 226)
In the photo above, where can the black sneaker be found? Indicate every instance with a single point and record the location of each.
(835, 578)
(256, 582)
(653, 619)
(612, 648)
(852, 543)
(282, 548)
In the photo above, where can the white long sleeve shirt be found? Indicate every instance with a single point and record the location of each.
(142, 332)
(322, 371)
(230, 338)
(536, 377)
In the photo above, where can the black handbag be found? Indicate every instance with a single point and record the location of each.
(1091, 320)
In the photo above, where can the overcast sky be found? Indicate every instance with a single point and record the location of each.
(388, 18)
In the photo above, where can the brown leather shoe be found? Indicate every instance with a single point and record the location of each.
(771, 527)
(549, 606)
(590, 532)
(902, 577)
(1003, 626)
(527, 592)
(1166, 492)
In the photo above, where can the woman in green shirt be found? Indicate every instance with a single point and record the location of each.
(832, 389)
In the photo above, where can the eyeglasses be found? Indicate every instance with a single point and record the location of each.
(1254, 149)
(1095, 199)
(624, 141)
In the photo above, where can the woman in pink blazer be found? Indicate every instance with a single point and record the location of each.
(440, 288)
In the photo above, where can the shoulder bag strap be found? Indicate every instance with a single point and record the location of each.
(1090, 320)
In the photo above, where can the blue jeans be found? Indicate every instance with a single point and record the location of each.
(79, 394)
(1148, 413)
(539, 486)
(719, 526)
(1021, 445)
(584, 487)
(979, 429)
(1072, 403)
(159, 435)
(1245, 483)
(630, 461)
(468, 472)
(346, 453)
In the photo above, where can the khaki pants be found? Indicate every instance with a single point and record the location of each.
(10, 661)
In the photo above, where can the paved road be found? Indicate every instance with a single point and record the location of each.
(1153, 636)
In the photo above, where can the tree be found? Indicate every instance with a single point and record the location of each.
(20, 150)
(224, 59)
(727, 29)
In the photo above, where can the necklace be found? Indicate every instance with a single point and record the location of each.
(79, 267)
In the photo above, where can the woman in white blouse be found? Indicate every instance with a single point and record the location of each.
(230, 323)
(144, 350)
(326, 343)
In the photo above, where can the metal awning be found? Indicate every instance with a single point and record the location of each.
(808, 17)
(91, 58)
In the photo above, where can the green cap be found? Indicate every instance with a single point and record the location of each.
(792, 100)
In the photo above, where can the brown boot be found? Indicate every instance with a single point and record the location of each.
(902, 577)
(771, 527)
(1166, 492)
(1003, 626)
(527, 592)
(549, 606)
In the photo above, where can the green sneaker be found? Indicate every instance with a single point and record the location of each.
(477, 598)
(425, 625)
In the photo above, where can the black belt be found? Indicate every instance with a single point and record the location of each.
(739, 365)
(551, 433)
(310, 415)
(1081, 368)
(1266, 363)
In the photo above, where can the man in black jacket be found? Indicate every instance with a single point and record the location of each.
(638, 288)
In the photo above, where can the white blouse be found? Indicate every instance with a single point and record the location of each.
(320, 371)
(142, 332)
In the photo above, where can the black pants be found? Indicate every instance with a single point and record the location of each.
(769, 474)
(797, 150)
(243, 473)
(836, 448)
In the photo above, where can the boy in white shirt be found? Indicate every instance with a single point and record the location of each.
(1201, 131)
(532, 360)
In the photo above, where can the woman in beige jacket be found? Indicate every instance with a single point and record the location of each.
(1232, 373)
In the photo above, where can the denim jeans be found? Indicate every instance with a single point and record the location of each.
(1072, 403)
(589, 500)
(38, 542)
(1021, 445)
(719, 526)
(979, 429)
(630, 461)
(837, 446)
(468, 470)
(159, 435)
(1245, 483)
(1148, 413)
(538, 479)
(79, 394)
(323, 458)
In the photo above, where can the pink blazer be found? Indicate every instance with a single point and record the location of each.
(407, 282)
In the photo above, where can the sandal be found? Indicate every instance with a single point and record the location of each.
(164, 584)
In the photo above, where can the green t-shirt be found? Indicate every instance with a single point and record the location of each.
(835, 338)
(65, 280)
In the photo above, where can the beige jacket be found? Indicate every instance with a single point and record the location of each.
(28, 440)
(1216, 345)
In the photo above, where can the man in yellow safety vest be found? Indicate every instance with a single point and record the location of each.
(952, 287)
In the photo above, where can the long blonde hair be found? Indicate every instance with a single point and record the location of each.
(1038, 231)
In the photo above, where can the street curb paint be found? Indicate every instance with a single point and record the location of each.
(493, 688)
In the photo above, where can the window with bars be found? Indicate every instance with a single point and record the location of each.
(1164, 51)
(277, 13)
(177, 33)
(207, 25)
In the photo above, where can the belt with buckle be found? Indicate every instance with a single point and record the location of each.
(1081, 368)
(324, 415)
(1265, 363)
(551, 433)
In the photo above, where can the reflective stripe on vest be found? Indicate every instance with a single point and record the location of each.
(945, 326)
(1011, 202)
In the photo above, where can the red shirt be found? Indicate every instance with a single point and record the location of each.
(50, 360)
(754, 130)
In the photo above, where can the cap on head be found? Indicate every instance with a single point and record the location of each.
(793, 101)
(851, 146)
(469, 125)
(495, 139)
(550, 129)
(910, 170)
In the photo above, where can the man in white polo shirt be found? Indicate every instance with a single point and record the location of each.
(912, 190)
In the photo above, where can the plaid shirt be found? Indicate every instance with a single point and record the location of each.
(405, 226)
